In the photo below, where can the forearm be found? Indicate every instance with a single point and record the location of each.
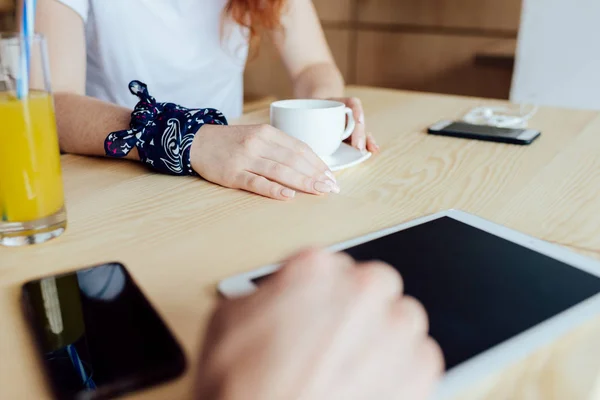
(319, 81)
(84, 122)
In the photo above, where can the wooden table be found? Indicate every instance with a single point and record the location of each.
(180, 236)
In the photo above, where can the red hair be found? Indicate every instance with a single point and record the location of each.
(256, 15)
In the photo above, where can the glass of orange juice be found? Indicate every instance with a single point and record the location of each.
(31, 188)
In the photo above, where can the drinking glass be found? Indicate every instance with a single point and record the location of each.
(31, 188)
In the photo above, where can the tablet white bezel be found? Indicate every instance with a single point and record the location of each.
(499, 356)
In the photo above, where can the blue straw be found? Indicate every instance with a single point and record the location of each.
(27, 34)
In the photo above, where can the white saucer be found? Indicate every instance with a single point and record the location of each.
(345, 157)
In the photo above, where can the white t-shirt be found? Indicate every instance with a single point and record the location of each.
(179, 48)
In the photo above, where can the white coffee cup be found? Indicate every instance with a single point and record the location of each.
(319, 123)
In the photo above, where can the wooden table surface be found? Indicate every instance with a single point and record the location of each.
(180, 236)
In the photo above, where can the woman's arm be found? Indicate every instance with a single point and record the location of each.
(307, 57)
(305, 53)
(83, 122)
(258, 159)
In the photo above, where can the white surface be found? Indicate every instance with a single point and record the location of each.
(319, 123)
(173, 46)
(500, 356)
(501, 117)
(558, 61)
(346, 156)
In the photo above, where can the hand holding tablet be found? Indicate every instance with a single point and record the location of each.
(324, 327)
(493, 295)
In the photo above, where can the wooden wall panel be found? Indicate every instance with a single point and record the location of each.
(265, 75)
(335, 10)
(473, 14)
(6, 15)
(7, 5)
(429, 62)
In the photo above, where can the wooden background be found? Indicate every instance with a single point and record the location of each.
(6, 10)
(448, 46)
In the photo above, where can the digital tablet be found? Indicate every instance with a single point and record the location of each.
(493, 295)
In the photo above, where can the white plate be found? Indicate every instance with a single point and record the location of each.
(345, 157)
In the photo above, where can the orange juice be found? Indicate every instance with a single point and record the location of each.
(30, 178)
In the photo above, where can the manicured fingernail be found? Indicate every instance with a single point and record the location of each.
(289, 193)
(330, 175)
(336, 189)
(361, 118)
(324, 187)
(372, 139)
(362, 144)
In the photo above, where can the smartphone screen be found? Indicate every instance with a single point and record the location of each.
(97, 334)
(484, 132)
(483, 129)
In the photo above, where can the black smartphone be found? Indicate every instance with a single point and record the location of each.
(484, 132)
(97, 334)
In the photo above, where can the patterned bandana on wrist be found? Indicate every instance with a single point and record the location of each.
(162, 132)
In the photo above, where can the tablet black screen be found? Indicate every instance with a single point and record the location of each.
(478, 289)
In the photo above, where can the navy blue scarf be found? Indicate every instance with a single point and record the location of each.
(162, 132)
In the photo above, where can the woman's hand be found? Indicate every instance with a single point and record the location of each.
(360, 138)
(259, 159)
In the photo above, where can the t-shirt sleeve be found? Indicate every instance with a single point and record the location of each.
(81, 7)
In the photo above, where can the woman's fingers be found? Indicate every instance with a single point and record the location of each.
(260, 185)
(372, 146)
(277, 170)
(359, 136)
(298, 147)
(285, 156)
(293, 178)
(360, 139)
(259, 159)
